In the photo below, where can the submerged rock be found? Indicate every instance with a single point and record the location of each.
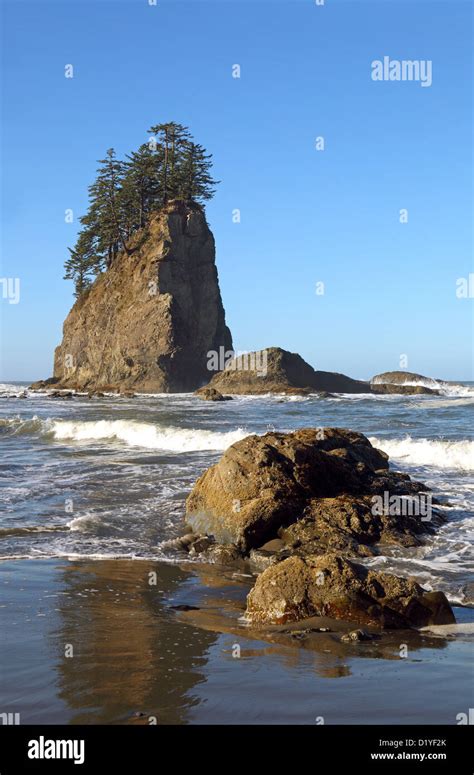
(409, 390)
(402, 377)
(357, 636)
(43, 384)
(211, 394)
(313, 489)
(334, 586)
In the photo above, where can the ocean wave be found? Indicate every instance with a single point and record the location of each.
(146, 435)
(429, 452)
(18, 425)
(446, 388)
(444, 402)
(8, 389)
(7, 532)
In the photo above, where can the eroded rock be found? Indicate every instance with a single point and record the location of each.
(211, 394)
(275, 370)
(148, 322)
(312, 488)
(334, 586)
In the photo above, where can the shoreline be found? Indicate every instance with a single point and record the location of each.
(180, 665)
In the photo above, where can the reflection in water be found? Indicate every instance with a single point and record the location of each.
(131, 654)
(134, 657)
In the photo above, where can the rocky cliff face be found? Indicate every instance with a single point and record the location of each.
(148, 322)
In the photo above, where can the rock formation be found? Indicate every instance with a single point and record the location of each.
(403, 378)
(314, 489)
(148, 322)
(334, 586)
(300, 505)
(211, 394)
(402, 389)
(278, 371)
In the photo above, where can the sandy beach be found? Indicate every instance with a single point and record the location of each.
(136, 659)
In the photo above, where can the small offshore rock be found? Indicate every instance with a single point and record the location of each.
(211, 394)
(201, 544)
(356, 635)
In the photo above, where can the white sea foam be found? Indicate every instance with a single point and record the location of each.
(445, 388)
(460, 629)
(146, 435)
(428, 452)
(444, 402)
(84, 524)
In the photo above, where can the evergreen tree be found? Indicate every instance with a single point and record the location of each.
(171, 138)
(140, 192)
(81, 262)
(196, 180)
(125, 193)
(104, 217)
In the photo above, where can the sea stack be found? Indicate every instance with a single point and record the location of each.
(149, 321)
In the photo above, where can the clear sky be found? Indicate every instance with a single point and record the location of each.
(307, 216)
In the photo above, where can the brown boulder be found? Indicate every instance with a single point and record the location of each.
(402, 377)
(263, 484)
(408, 390)
(336, 587)
(211, 394)
(274, 370)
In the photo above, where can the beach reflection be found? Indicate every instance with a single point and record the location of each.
(132, 657)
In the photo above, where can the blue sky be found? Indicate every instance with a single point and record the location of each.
(307, 216)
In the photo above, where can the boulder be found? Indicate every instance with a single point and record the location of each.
(408, 390)
(43, 384)
(324, 480)
(274, 370)
(403, 378)
(211, 394)
(336, 587)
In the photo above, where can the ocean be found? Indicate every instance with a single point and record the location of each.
(93, 489)
(108, 477)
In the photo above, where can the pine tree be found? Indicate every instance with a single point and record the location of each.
(171, 137)
(197, 183)
(104, 217)
(125, 193)
(140, 192)
(81, 262)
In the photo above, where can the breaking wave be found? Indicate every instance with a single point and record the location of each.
(428, 452)
(146, 435)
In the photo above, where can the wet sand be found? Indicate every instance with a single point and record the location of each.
(95, 642)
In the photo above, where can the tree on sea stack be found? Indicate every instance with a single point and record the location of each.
(140, 192)
(126, 193)
(171, 139)
(81, 262)
(104, 212)
(197, 183)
